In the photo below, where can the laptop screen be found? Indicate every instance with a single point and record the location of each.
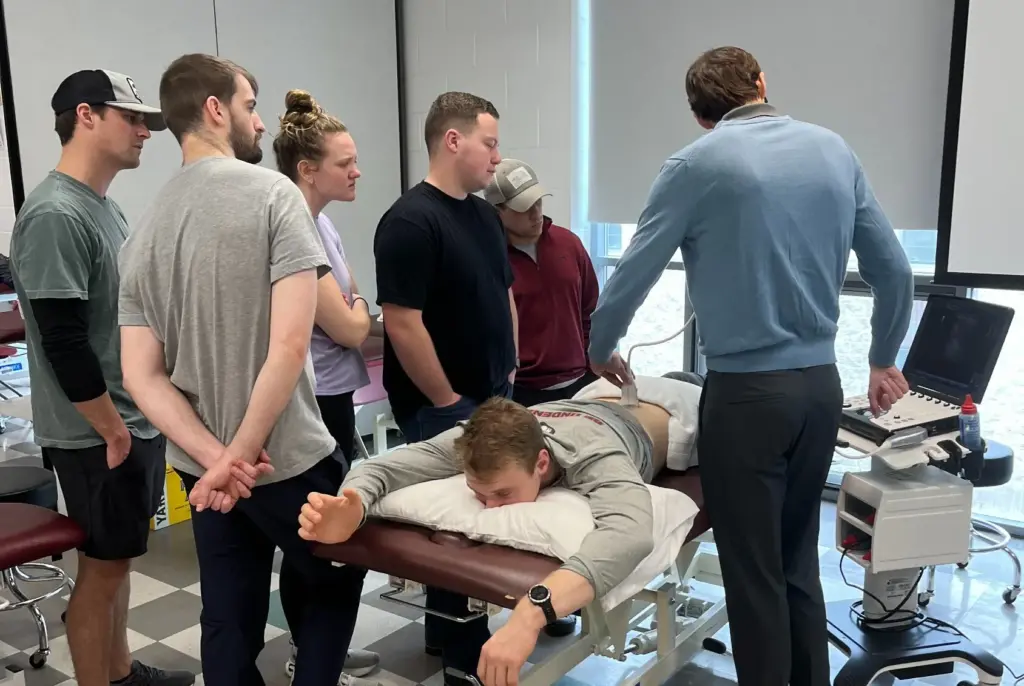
(955, 349)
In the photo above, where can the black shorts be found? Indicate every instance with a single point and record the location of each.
(113, 506)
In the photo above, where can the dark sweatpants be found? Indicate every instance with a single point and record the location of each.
(460, 644)
(236, 557)
(765, 443)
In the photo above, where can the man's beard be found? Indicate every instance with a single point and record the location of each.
(247, 150)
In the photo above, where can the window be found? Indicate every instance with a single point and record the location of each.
(854, 340)
(661, 315)
(613, 239)
(1002, 412)
(608, 241)
(920, 248)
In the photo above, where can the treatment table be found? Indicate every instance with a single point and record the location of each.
(495, 576)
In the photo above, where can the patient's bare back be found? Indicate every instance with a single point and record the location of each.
(654, 419)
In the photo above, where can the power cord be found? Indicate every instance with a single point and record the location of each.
(666, 339)
(887, 618)
(629, 392)
(920, 619)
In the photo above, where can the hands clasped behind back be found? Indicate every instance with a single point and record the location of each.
(231, 478)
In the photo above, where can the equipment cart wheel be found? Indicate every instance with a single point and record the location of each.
(1010, 594)
(37, 659)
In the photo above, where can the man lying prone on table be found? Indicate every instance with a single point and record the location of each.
(597, 448)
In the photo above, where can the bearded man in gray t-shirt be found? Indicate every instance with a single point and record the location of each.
(217, 300)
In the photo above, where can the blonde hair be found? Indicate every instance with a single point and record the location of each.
(500, 433)
(304, 125)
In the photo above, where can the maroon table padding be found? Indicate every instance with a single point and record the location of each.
(12, 327)
(30, 532)
(496, 574)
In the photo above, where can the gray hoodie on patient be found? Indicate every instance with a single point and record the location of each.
(605, 456)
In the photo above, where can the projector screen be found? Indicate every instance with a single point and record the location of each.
(981, 233)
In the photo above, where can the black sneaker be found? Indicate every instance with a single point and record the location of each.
(144, 675)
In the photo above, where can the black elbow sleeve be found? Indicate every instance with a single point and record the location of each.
(64, 334)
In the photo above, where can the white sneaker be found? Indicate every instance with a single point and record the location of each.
(358, 663)
(349, 680)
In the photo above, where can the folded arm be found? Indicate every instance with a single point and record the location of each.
(660, 231)
(409, 465)
(884, 266)
(622, 537)
(347, 324)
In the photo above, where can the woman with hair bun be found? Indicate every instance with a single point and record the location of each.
(316, 151)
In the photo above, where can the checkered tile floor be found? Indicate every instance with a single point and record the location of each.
(165, 605)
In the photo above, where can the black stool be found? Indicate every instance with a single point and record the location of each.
(994, 469)
(29, 485)
(36, 486)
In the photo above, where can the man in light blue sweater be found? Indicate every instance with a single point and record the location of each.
(765, 209)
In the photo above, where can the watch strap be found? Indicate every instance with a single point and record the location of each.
(549, 611)
(546, 607)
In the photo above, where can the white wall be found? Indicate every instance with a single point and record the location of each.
(346, 58)
(6, 195)
(516, 53)
(74, 41)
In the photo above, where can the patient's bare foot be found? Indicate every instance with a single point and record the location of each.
(330, 519)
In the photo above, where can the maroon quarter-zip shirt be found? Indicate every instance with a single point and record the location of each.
(555, 295)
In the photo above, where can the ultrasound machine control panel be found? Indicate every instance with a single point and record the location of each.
(954, 351)
(914, 409)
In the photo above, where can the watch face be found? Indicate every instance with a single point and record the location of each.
(539, 594)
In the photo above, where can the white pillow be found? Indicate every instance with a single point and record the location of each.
(450, 505)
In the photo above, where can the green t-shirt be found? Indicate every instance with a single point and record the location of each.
(65, 245)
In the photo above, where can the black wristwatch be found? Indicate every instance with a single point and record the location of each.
(540, 596)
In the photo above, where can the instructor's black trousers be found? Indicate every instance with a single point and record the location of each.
(765, 443)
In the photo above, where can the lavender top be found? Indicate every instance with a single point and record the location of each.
(338, 369)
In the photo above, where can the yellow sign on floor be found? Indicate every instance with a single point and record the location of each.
(173, 503)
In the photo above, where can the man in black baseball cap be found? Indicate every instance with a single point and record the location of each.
(96, 87)
(108, 457)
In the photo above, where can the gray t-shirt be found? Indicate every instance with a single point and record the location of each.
(64, 245)
(198, 270)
